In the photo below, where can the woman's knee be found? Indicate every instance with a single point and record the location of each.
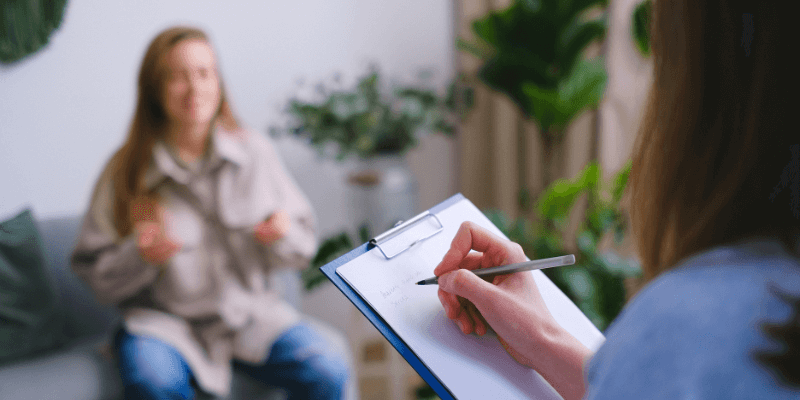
(151, 368)
(326, 375)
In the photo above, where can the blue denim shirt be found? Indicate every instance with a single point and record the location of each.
(691, 333)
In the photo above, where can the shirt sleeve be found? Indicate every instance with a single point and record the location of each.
(299, 245)
(111, 265)
(690, 335)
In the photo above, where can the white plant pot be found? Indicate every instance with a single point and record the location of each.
(381, 191)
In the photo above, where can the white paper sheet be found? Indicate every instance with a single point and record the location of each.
(470, 366)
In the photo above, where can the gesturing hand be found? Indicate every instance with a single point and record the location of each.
(151, 239)
(273, 228)
(510, 304)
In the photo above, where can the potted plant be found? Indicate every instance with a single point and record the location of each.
(367, 122)
(596, 283)
(377, 127)
(532, 51)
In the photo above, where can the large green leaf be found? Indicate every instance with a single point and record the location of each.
(557, 200)
(596, 283)
(621, 181)
(534, 43)
(582, 89)
(576, 38)
(640, 27)
(329, 250)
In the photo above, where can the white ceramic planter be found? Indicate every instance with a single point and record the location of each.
(381, 191)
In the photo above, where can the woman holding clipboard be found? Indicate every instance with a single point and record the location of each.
(714, 189)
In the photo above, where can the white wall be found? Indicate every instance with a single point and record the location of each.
(65, 109)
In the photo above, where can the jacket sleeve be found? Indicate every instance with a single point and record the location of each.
(111, 265)
(296, 249)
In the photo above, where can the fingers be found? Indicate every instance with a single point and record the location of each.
(154, 244)
(449, 300)
(460, 283)
(471, 319)
(261, 231)
(281, 221)
(460, 313)
(274, 227)
(470, 236)
(165, 250)
(467, 285)
(162, 251)
(147, 233)
(459, 308)
(463, 311)
(479, 322)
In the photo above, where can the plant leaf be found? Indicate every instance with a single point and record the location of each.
(640, 26)
(621, 181)
(582, 89)
(557, 200)
(576, 38)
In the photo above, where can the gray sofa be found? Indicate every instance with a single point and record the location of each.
(83, 368)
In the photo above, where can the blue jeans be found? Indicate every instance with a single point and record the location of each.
(299, 362)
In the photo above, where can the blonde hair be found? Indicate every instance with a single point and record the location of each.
(129, 164)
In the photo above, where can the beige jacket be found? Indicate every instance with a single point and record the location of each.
(214, 300)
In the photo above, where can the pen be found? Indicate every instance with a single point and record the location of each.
(511, 268)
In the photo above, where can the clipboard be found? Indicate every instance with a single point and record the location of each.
(409, 234)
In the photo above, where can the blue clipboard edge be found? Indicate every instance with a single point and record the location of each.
(330, 271)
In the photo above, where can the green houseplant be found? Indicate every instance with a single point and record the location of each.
(596, 282)
(367, 122)
(330, 249)
(376, 126)
(532, 51)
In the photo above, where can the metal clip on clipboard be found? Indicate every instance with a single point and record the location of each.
(406, 234)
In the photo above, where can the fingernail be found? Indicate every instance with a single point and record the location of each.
(461, 326)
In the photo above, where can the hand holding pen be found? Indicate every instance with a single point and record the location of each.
(510, 304)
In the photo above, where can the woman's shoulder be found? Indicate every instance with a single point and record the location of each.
(741, 274)
(244, 147)
(696, 327)
(723, 278)
(245, 139)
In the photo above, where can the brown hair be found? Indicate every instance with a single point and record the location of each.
(717, 131)
(129, 164)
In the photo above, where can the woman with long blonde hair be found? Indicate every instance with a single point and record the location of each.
(186, 224)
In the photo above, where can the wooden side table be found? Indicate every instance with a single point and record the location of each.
(382, 372)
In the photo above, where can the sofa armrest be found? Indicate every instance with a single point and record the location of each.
(84, 315)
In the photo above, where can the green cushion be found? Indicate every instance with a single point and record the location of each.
(30, 317)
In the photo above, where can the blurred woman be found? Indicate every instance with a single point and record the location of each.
(714, 189)
(186, 224)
